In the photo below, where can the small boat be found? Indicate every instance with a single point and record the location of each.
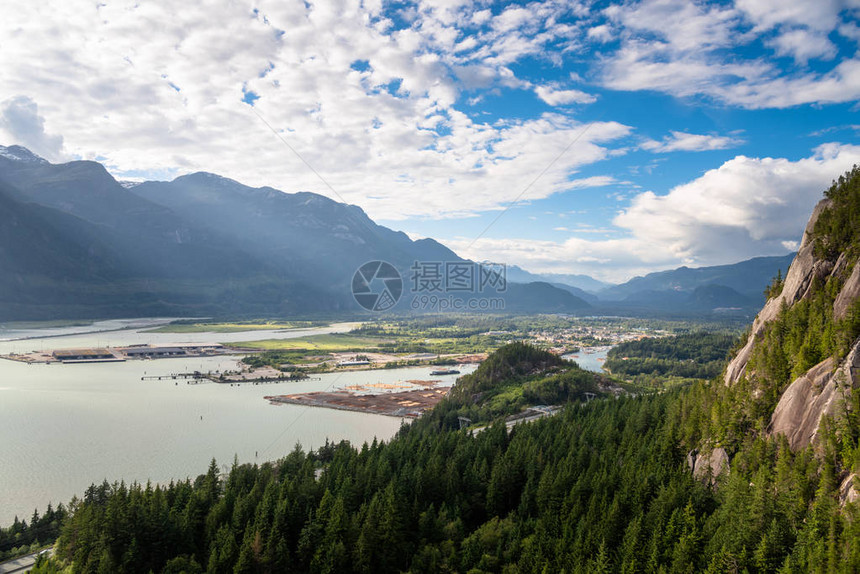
(445, 372)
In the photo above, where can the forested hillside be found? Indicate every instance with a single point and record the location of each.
(601, 488)
(509, 380)
(604, 486)
(692, 355)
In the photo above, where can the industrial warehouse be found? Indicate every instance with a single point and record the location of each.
(117, 354)
(85, 356)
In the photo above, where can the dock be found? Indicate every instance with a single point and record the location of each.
(197, 377)
(175, 376)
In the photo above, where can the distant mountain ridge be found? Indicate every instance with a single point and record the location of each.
(737, 288)
(200, 244)
(297, 232)
(206, 244)
(748, 278)
(583, 283)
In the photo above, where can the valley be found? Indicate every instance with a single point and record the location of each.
(205, 245)
(171, 424)
(430, 287)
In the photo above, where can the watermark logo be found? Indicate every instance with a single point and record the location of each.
(377, 286)
(434, 286)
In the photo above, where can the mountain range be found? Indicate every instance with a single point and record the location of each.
(737, 288)
(744, 278)
(584, 283)
(75, 242)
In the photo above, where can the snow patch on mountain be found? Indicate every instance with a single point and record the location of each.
(18, 153)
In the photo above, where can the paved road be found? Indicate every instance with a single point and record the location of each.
(20, 565)
(528, 419)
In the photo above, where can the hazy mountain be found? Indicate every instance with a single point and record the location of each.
(56, 265)
(748, 278)
(320, 239)
(38, 242)
(575, 291)
(735, 288)
(582, 283)
(708, 297)
(206, 244)
(300, 233)
(585, 282)
(75, 242)
(157, 241)
(541, 297)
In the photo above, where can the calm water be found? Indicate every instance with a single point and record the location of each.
(591, 361)
(63, 427)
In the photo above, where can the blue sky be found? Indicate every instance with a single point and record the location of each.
(615, 138)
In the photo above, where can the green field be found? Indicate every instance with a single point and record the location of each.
(235, 327)
(330, 343)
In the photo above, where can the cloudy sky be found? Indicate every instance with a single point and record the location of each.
(603, 138)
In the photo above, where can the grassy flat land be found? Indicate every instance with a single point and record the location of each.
(235, 327)
(331, 343)
(335, 343)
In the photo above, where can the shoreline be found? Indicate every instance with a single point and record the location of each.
(402, 404)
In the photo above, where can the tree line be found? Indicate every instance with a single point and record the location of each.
(601, 487)
(695, 355)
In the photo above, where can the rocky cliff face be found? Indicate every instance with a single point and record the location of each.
(798, 281)
(709, 465)
(820, 390)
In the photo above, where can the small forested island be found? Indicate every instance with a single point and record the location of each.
(753, 470)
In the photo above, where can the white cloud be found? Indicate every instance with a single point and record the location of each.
(750, 84)
(803, 45)
(683, 141)
(767, 14)
(21, 123)
(601, 33)
(689, 49)
(838, 128)
(641, 65)
(555, 97)
(481, 16)
(841, 84)
(680, 24)
(607, 260)
(512, 18)
(593, 181)
(155, 87)
(745, 208)
(850, 31)
(152, 88)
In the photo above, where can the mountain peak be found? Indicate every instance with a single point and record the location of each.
(206, 177)
(20, 153)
